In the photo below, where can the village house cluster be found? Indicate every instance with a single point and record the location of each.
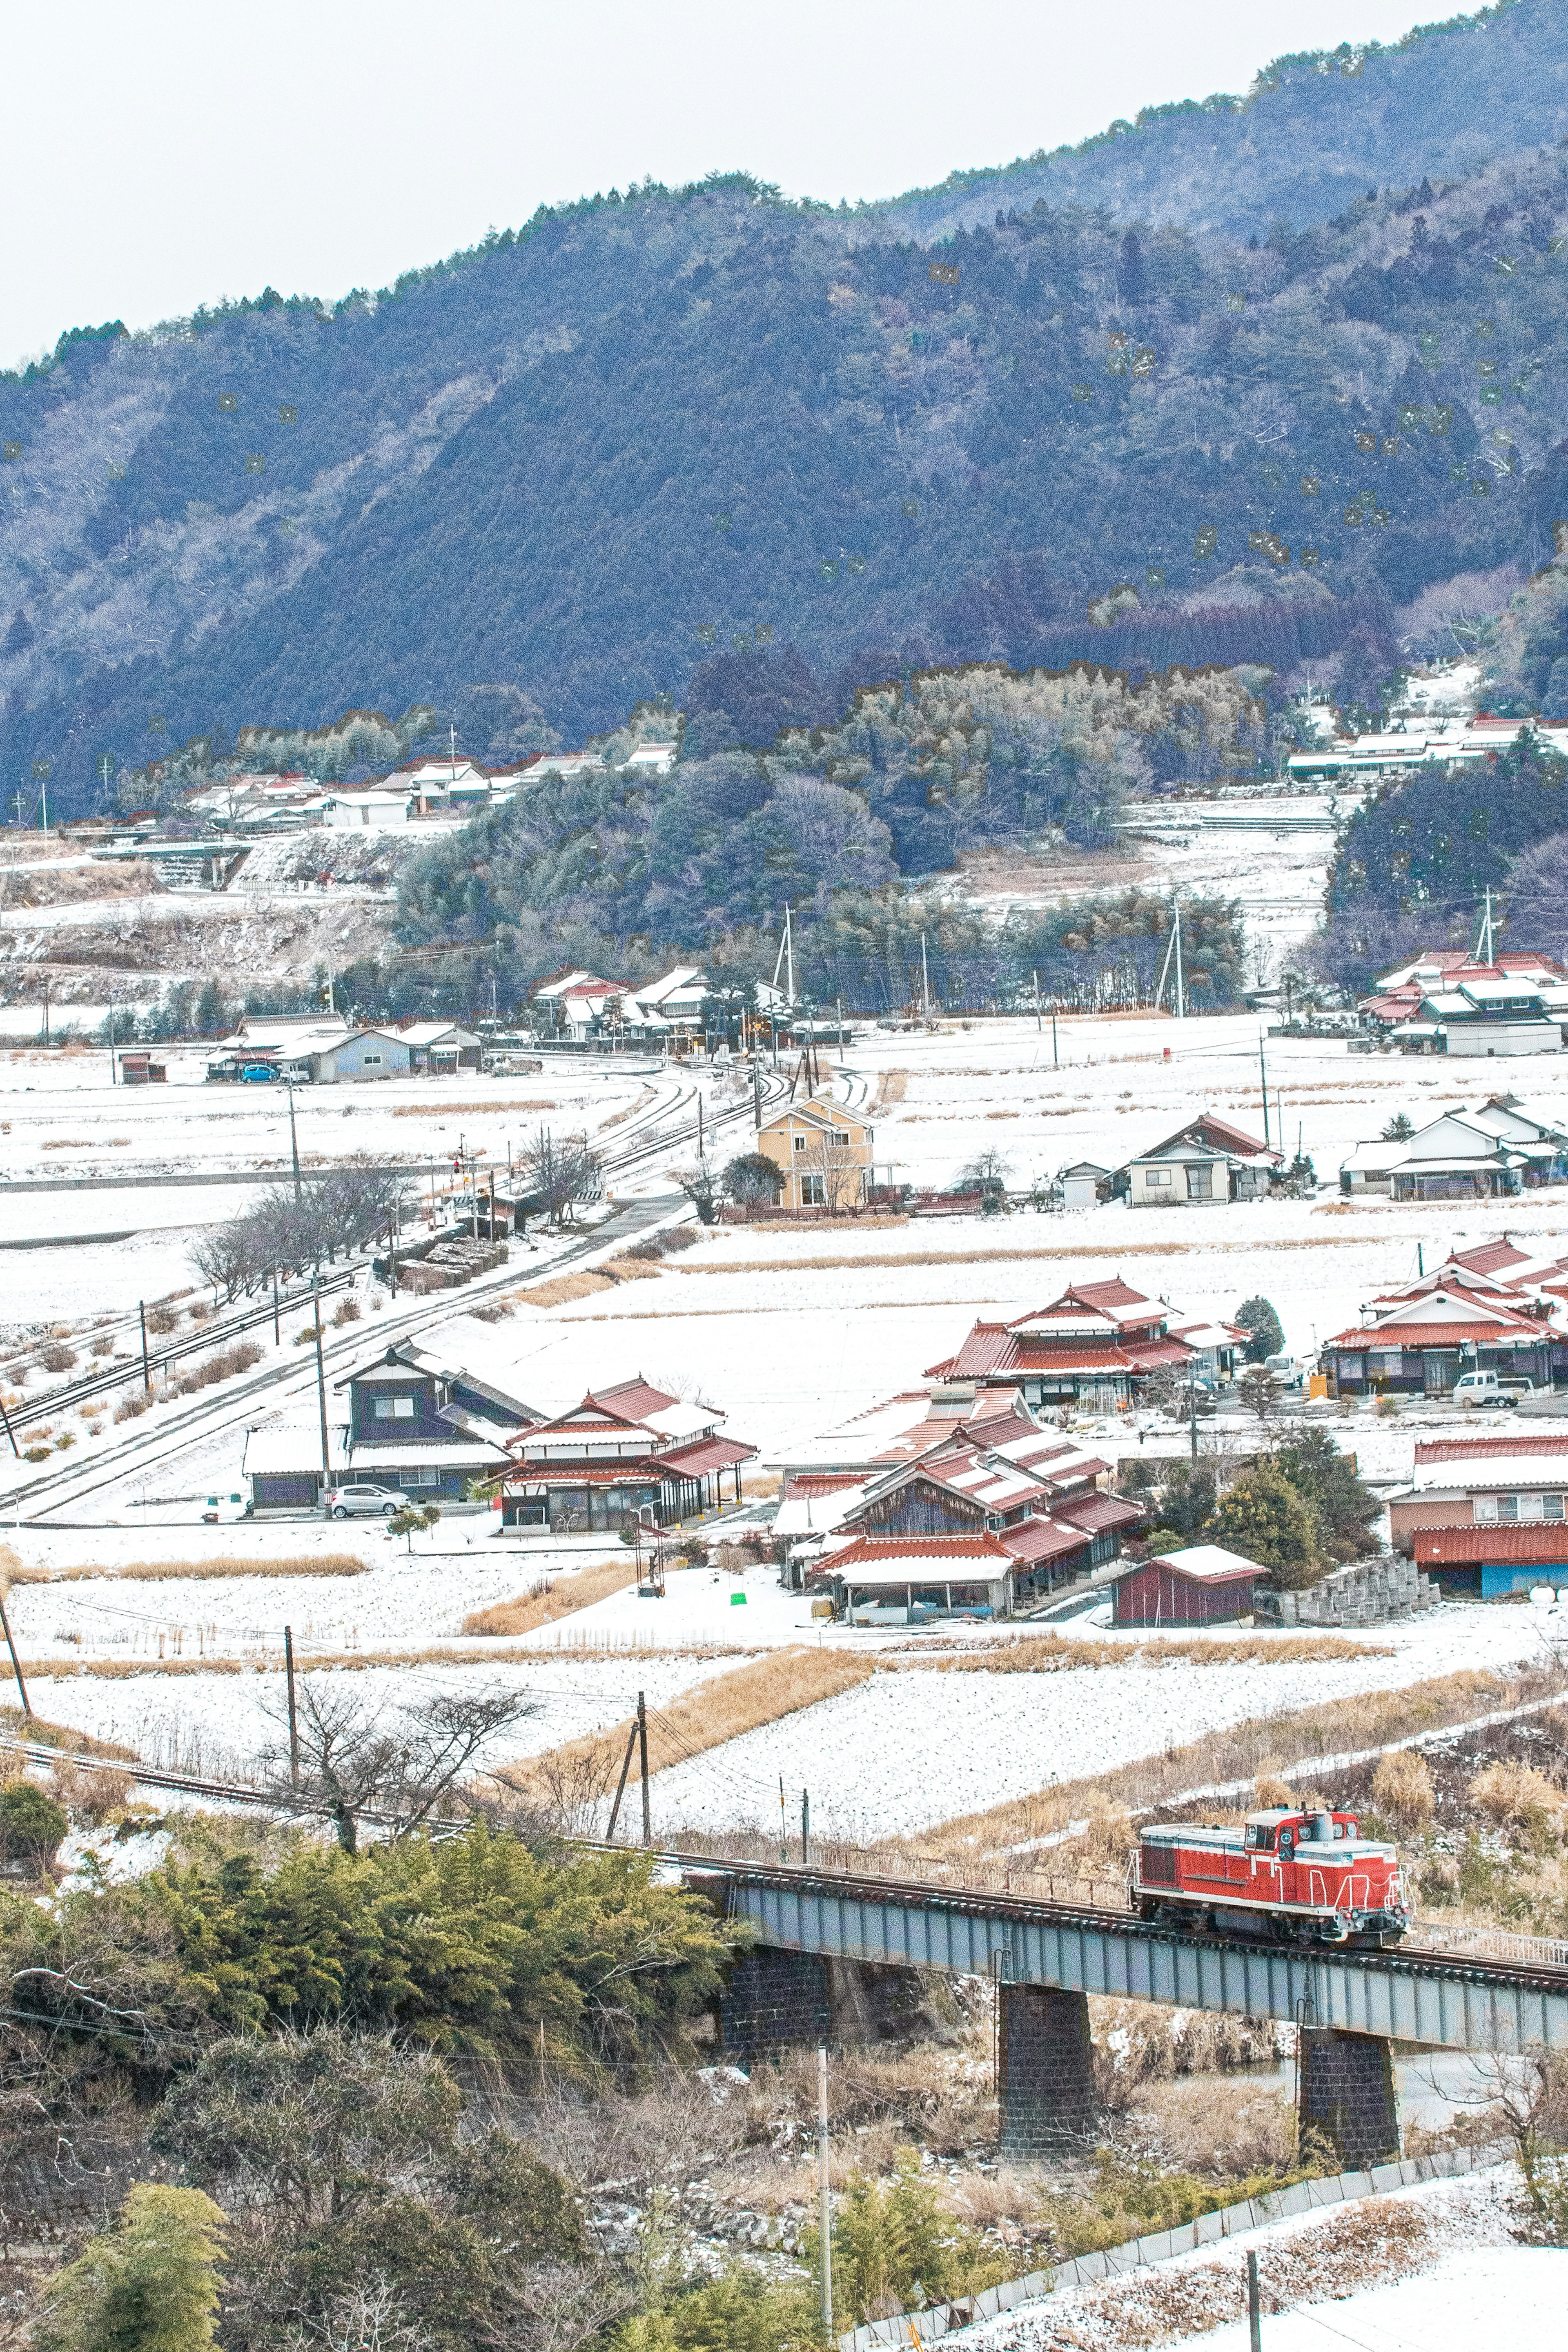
(1449, 1002)
(1491, 1309)
(1497, 1149)
(456, 1416)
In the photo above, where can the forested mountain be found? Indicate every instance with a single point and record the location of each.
(562, 474)
(1314, 133)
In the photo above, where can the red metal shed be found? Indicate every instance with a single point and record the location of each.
(1203, 1585)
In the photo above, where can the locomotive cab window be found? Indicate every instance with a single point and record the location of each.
(1287, 1842)
(1261, 1836)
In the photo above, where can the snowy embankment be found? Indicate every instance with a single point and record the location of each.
(1436, 2269)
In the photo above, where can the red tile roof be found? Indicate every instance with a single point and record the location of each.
(1042, 1539)
(1489, 1257)
(1097, 1512)
(1486, 1449)
(869, 1550)
(987, 1348)
(1542, 1540)
(703, 1455)
(635, 1398)
(1488, 1334)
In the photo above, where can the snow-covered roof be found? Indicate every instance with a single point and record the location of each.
(1210, 1563)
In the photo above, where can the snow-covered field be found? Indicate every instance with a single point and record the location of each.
(220, 1724)
(906, 1750)
(791, 1331)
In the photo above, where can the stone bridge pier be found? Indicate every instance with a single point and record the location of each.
(1345, 2090)
(774, 2000)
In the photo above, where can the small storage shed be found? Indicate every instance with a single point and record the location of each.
(1084, 1183)
(1202, 1585)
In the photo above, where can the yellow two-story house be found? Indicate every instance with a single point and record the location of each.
(822, 1154)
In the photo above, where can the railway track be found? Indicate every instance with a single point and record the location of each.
(661, 1127)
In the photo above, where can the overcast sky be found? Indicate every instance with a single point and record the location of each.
(162, 155)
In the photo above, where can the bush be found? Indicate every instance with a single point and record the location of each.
(31, 1824)
(150, 2284)
(1401, 1788)
(892, 2243)
(56, 1357)
(161, 1318)
(130, 1408)
(37, 1452)
(740, 2311)
(1514, 1796)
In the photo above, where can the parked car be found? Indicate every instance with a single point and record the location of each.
(1477, 1391)
(257, 1073)
(222, 1509)
(360, 1502)
(1285, 1370)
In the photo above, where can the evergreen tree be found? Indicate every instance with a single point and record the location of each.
(1264, 1518)
(1256, 1317)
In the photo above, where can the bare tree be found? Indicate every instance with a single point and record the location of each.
(406, 1769)
(560, 1169)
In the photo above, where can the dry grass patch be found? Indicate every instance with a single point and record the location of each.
(1046, 1654)
(44, 1734)
(447, 1110)
(996, 1257)
(159, 1571)
(890, 1089)
(761, 1692)
(562, 1288)
(554, 1598)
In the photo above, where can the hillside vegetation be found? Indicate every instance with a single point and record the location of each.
(555, 477)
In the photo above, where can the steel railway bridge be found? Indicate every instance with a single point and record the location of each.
(827, 1945)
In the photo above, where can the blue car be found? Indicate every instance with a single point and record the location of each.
(258, 1072)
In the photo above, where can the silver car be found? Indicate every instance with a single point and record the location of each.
(361, 1502)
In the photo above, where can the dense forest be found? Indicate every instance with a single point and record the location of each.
(554, 477)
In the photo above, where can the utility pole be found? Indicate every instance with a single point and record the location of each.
(805, 1829)
(16, 1661)
(1181, 985)
(294, 1143)
(1263, 1066)
(293, 1717)
(320, 1384)
(825, 2193)
(1056, 1058)
(1193, 1405)
(642, 1763)
(757, 1097)
(925, 979)
(277, 1325)
(1484, 945)
(146, 1366)
(1253, 2307)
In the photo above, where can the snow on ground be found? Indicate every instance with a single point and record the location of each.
(406, 1595)
(1468, 2283)
(218, 1725)
(906, 1750)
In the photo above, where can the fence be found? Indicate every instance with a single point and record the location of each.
(1139, 2253)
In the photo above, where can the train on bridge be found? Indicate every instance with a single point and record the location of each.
(1310, 1877)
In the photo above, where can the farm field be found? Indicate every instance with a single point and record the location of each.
(792, 1330)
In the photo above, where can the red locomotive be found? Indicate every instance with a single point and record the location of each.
(1308, 1878)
